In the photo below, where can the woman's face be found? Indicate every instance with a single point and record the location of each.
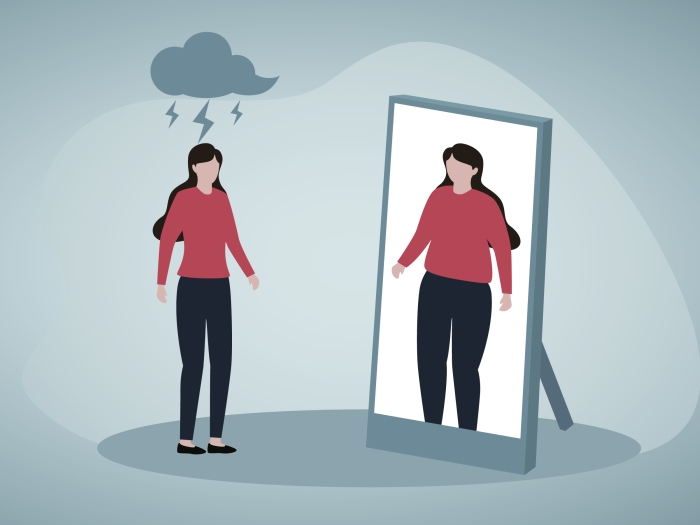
(207, 171)
(458, 171)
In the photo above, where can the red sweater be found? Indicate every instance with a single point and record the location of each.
(207, 224)
(459, 228)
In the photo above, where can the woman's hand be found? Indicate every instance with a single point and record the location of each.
(161, 293)
(397, 270)
(254, 281)
(505, 302)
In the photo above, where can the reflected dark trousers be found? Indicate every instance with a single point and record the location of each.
(464, 307)
(200, 304)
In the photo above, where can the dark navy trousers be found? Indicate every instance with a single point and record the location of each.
(464, 307)
(203, 304)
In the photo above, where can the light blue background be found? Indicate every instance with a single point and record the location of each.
(622, 77)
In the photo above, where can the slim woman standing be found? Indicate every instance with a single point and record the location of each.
(199, 213)
(461, 220)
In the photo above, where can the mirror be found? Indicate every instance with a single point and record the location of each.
(455, 369)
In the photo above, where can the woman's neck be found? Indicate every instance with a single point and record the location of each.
(204, 188)
(462, 187)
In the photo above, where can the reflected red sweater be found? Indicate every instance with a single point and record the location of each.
(208, 226)
(459, 228)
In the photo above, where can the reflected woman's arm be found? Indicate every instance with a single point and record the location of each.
(497, 235)
(421, 239)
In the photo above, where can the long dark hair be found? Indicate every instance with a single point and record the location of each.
(200, 153)
(471, 156)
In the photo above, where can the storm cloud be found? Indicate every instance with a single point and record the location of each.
(205, 68)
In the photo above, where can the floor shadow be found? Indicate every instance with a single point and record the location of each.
(327, 448)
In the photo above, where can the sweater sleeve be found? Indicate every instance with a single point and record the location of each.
(421, 238)
(497, 235)
(233, 242)
(171, 231)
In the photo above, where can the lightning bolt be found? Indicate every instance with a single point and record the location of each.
(172, 114)
(201, 118)
(237, 113)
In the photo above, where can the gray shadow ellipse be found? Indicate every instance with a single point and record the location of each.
(326, 448)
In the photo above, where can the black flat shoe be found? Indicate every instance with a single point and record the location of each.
(182, 449)
(219, 450)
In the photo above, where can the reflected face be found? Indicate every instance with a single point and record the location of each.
(207, 171)
(458, 171)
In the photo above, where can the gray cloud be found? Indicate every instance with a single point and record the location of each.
(205, 68)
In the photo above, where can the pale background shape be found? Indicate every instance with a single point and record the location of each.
(304, 176)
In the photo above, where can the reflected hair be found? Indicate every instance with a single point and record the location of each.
(200, 153)
(471, 156)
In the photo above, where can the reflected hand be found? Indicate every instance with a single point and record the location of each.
(161, 293)
(505, 302)
(397, 270)
(254, 281)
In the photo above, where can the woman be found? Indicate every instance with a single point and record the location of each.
(461, 220)
(199, 212)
